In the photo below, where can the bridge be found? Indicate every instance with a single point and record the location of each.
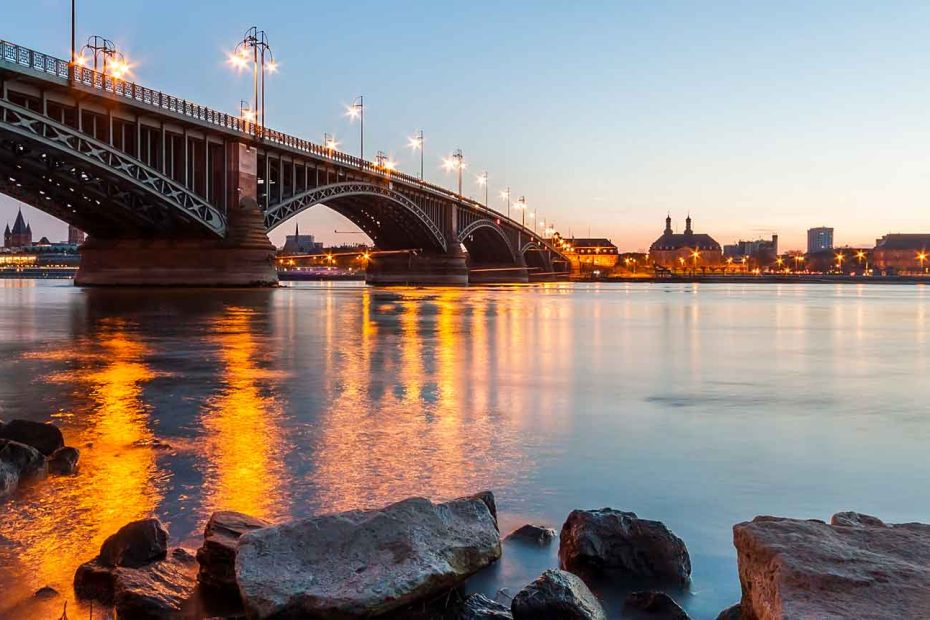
(174, 193)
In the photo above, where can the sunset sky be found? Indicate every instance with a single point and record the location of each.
(755, 117)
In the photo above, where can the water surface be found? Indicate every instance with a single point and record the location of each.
(698, 405)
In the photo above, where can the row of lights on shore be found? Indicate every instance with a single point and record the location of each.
(254, 51)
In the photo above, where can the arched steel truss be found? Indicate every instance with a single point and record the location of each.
(478, 224)
(33, 127)
(280, 213)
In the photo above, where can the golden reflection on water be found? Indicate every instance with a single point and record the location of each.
(242, 437)
(61, 522)
(432, 431)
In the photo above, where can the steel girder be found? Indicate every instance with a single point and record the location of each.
(280, 213)
(138, 188)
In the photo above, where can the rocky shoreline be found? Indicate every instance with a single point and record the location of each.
(410, 559)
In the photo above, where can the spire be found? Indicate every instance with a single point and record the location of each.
(668, 224)
(6, 232)
(19, 225)
(688, 230)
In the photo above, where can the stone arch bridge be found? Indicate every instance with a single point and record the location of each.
(171, 192)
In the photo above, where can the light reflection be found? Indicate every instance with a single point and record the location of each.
(63, 521)
(243, 440)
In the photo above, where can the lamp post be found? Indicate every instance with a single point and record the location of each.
(416, 143)
(798, 259)
(73, 36)
(922, 257)
(456, 162)
(506, 196)
(105, 53)
(384, 162)
(483, 181)
(357, 111)
(256, 42)
(839, 262)
(521, 205)
(329, 143)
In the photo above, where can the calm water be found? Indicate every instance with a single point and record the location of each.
(700, 406)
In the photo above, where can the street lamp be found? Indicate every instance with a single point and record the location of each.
(839, 261)
(329, 143)
(922, 257)
(695, 255)
(245, 112)
(256, 41)
(456, 162)
(505, 195)
(416, 143)
(521, 205)
(384, 162)
(357, 111)
(483, 181)
(103, 51)
(797, 260)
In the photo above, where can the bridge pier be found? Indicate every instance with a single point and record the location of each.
(411, 269)
(244, 258)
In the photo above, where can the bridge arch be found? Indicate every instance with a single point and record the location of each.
(487, 243)
(388, 217)
(79, 179)
(536, 257)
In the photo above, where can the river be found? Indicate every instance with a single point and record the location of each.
(697, 405)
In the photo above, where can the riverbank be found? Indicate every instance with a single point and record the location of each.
(807, 278)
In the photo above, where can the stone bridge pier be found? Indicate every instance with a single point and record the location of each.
(245, 257)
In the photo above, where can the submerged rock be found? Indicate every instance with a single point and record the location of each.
(790, 568)
(655, 605)
(480, 607)
(46, 438)
(135, 544)
(557, 595)
(157, 590)
(46, 592)
(364, 562)
(535, 534)
(64, 461)
(217, 556)
(621, 541)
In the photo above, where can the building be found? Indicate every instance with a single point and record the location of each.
(819, 239)
(760, 253)
(75, 236)
(687, 250)
(18, 236)
(592, 254)
(300, 244)
(908, 253)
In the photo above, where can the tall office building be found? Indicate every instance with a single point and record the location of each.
(819, 239)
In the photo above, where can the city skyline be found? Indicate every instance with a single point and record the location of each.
(738, 155)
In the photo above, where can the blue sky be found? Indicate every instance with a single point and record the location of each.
(755, 117)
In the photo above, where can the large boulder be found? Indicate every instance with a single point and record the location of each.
(159, 590)
(855, 519)
(93, 580)
(790, 568)
(480, 607)
(46, 438)
(534, 534)
(557, 595)
(653, 606)
(64, 461)
(622, 542)
(364, 562)
(135, 544)
(217, 556)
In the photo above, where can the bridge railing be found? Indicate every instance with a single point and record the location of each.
(86, 77)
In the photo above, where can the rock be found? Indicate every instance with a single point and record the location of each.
(217, 556)
(557, 595)
(621, 541)
(157, 590)
(93, 580)
(46, 438)
(364, 562)
(658, 605)
(730, 613)
(790, 568)
(19, 462)
(856, 519)
(536, 534)
(46, 592)
(135, 544)
(480, 607)
(488, 498)
(64, 461)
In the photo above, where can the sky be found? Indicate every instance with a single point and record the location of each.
(754, 117)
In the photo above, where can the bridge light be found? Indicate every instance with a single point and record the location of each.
(271, 66)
